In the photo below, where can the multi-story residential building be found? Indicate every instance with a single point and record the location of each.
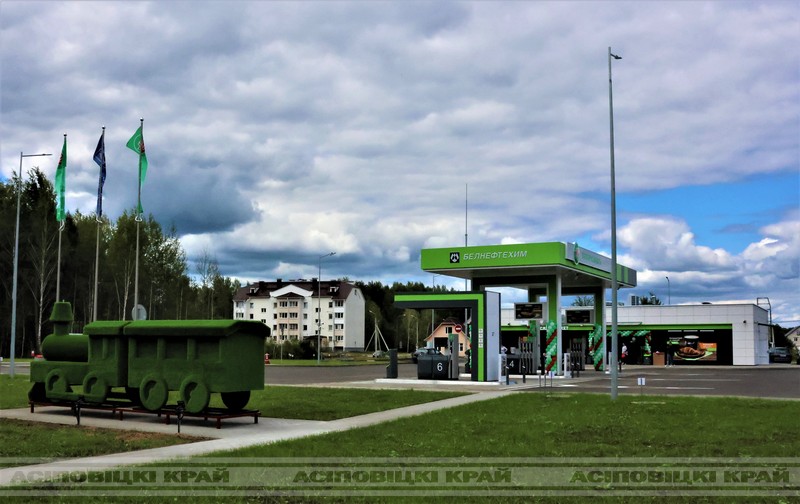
(299, 309)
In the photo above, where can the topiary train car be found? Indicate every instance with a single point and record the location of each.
(150, 358)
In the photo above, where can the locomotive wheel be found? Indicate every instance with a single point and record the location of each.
(37, 392)
(195, 394)
(235, 401)
(55, 384)
(153, 392)
(95, 387)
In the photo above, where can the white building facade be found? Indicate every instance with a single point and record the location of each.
(749, 325)
(735, 333)
(301, 309)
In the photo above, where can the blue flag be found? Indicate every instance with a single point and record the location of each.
(100, 159)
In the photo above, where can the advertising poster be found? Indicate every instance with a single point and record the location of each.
(690, 348)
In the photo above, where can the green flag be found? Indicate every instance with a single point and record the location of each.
(136, 144)
(61, 183)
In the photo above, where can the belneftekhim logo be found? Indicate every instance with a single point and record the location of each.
(455, 257)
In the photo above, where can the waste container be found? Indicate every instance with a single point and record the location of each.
(391, 369)
(433, 367)
(425, 366)
(440, 365)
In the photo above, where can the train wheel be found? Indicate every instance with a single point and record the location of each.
(95, 387)
(56, 385)
(235, 401)
(194, 392)
(37, 392)
(153, 392)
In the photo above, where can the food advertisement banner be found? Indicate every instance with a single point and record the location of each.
(690, 348)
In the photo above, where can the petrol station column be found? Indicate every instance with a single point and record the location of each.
(553, 342)
(597, 338)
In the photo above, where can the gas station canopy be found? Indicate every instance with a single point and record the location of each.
(527, 264)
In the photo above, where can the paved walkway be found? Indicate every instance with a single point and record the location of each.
(235, 433)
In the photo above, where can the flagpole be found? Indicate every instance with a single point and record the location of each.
(60, 229)
(99, 220)
(138, 221)
(58, 271)
(96, 271)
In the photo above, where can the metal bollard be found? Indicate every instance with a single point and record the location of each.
(180, 409)
(76, 408)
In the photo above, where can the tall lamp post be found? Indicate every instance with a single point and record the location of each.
(408, 331)
(319, 307)
(669, 292)
(433, 310)
(16, 265)
(614, 286)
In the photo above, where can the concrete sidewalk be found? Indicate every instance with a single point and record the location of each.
(235, 433)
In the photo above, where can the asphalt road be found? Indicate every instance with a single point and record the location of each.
(308, 375)
(780, 381)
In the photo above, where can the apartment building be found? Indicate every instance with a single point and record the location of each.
(298, 309)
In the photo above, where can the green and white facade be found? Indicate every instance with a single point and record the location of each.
(730, 334)
(544, 270)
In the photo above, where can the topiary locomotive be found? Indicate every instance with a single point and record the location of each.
(148, 359)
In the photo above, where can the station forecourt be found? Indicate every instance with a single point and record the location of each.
(702, 333)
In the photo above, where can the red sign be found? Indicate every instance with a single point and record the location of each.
(458, 328)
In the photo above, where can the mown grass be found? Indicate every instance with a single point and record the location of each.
(30, 440)
(302, 403)
(538, 425)
(308, 403)
(14, 391)
(570, 425)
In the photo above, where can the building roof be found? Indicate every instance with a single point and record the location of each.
(334, 289)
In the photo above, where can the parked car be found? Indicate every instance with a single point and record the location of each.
(780, 354)
(424, 351)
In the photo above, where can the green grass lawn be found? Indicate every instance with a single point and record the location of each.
(304, 403)
(14, 391)
(570, 425)
(27, 440)
(329, 403)
(538, 425)
(525, 425)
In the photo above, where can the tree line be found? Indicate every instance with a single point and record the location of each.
(166, 289)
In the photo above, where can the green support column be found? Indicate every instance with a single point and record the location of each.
(553, 342)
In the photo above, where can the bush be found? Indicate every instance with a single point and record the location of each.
(289, 349)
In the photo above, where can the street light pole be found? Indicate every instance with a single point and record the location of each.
(408, 330)
(433, 310)
(669, 292)
(319, 307)
(614, 285)
(16, 265)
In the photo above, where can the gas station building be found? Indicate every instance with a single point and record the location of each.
(736, 334)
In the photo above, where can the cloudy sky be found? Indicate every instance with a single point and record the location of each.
(280, 131)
